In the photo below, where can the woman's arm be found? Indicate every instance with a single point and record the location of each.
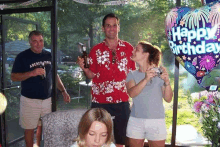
(134, 89)
(166, 89)
(167, 92)
(60, 86)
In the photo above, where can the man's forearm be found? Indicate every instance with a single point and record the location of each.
(20, 76)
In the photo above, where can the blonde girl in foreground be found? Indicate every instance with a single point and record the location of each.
(95, 129)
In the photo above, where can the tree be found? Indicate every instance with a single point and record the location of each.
(139, 20)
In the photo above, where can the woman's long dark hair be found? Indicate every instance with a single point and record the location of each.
(154, 52)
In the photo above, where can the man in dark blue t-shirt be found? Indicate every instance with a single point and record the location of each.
(33, 68)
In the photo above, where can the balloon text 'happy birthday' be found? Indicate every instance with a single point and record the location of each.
(194, 42)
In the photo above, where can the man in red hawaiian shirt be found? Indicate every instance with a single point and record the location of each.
(109, 65)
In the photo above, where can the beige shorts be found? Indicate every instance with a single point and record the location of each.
(31, 111)
(150, 129)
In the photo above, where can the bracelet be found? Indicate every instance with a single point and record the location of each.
(166, 84)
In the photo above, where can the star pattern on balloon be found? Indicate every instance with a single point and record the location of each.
(194, 36)
(184, 57)
(182, 23)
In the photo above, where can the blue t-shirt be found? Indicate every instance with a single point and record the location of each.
(34, 87)
(149, 103)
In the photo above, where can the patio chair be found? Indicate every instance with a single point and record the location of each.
(60, 128)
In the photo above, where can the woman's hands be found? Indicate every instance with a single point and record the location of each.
(150, 73)
(165, 76)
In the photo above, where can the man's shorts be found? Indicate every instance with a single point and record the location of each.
(150, 129)
(31, 111)
(120, 113)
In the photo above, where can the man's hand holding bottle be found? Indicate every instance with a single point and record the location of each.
(83, 60)
(38, 72)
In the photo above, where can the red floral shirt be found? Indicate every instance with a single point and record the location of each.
(109, 83)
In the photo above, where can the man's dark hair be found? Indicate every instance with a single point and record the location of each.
(35, 33)
(110, 15)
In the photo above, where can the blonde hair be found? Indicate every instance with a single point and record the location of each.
(91, 115)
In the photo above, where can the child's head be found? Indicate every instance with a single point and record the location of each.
(95, 128)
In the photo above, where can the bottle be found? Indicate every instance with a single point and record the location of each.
(85, 56)
(44, 75)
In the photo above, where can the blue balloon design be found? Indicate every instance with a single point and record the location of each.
(181, 12)
(190, 68)
(194, 38)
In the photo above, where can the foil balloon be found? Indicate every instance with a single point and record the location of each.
(208, 1)
(3, 103)
(194, 38)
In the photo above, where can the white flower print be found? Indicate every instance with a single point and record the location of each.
(95, 89)
(121, 43)
(118, 101)
(118, 85)
(109, 99)
(109, 88)
(98, 52)
(102, 87)
(124, 90)
(106, 66)
(124, 61)
(122, 64)
(94, 100)
(90, 61)
(98, 75)
(106, 53)
(102, 58)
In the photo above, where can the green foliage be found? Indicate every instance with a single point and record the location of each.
(70, 84)
(13, 99)
(18, 30)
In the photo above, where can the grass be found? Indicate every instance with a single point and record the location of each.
(184, 113)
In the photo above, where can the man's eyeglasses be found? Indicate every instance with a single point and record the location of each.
(113, 56)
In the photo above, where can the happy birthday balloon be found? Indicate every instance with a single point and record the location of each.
(3, 103)
(208, 1)
(194, 38)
